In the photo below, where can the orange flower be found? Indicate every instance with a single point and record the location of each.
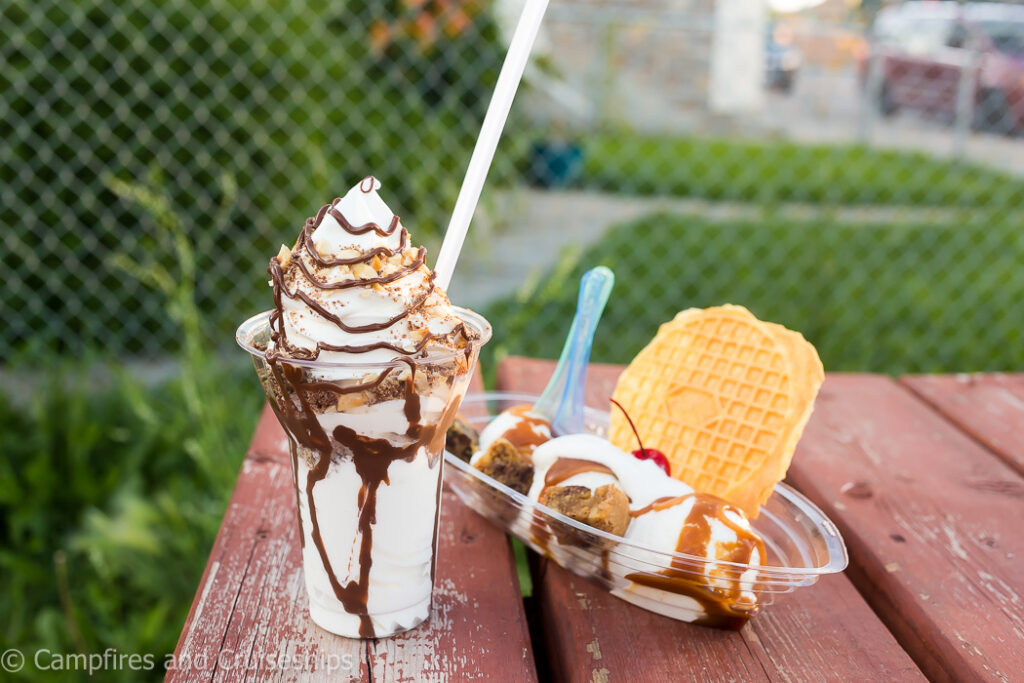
(380, 35)
(457, 23)
(425, 28)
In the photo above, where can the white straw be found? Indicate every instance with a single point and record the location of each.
(490, 133)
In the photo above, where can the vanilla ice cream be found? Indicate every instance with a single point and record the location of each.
(641, 480)
(365, 365)
(667, 517)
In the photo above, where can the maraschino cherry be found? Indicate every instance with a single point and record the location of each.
(642, 453)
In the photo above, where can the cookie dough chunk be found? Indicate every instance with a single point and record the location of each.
(462, 440)
(606, 508)
(502, 461)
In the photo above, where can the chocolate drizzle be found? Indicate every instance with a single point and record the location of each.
(327, 315)
(459, 336)
(371, 457)
(384, 252)
(365, 227)
(299, 394)
(366, 282)
(348, 389)
(459, 329)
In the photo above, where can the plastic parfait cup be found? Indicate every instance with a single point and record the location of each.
(367, 443)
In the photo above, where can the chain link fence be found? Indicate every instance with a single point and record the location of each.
(855, 174)
(245, 116)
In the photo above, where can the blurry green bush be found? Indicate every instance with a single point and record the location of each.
(109, 502)
(770, 172)
(872, 297)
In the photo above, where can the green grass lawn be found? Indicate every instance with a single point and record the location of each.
(885, 298)
(769, 172)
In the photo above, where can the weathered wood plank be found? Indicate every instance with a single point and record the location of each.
(989, 407)
(477, 629)
(826, 631)
(204, 630)
(249, 619)
(932, 521)
(268, 440)
(517, 373)
(253, 584)
(591, 636)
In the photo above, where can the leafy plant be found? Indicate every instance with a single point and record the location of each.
(110, 496)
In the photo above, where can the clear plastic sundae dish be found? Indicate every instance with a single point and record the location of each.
(801, 543)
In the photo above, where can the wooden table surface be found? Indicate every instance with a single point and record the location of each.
(924, 476)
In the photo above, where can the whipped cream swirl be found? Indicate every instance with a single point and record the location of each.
(353, 289)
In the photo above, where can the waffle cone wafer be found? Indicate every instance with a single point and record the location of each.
(725, 397)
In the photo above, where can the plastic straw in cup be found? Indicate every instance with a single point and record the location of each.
(494, 121)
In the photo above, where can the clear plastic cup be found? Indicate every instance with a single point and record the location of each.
(366, 443)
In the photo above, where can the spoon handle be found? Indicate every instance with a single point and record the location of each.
(562, 400)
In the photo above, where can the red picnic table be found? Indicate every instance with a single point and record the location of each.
(923, 475)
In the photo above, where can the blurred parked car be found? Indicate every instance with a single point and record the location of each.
(925, 47)
(782, 59)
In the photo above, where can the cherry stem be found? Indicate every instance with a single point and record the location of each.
(632, 426)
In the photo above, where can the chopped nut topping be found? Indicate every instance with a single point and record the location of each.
(348, 253)
(349, 401)
(375, 264)
(363, 271)
(284, 256)
(342, 273)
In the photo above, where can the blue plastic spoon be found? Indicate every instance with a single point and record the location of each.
(562, 400)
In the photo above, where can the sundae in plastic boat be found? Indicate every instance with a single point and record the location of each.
(669, 501)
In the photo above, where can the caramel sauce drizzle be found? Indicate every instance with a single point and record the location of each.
(720, 594)
(526, 435)
(724, 605)
(563, 469)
